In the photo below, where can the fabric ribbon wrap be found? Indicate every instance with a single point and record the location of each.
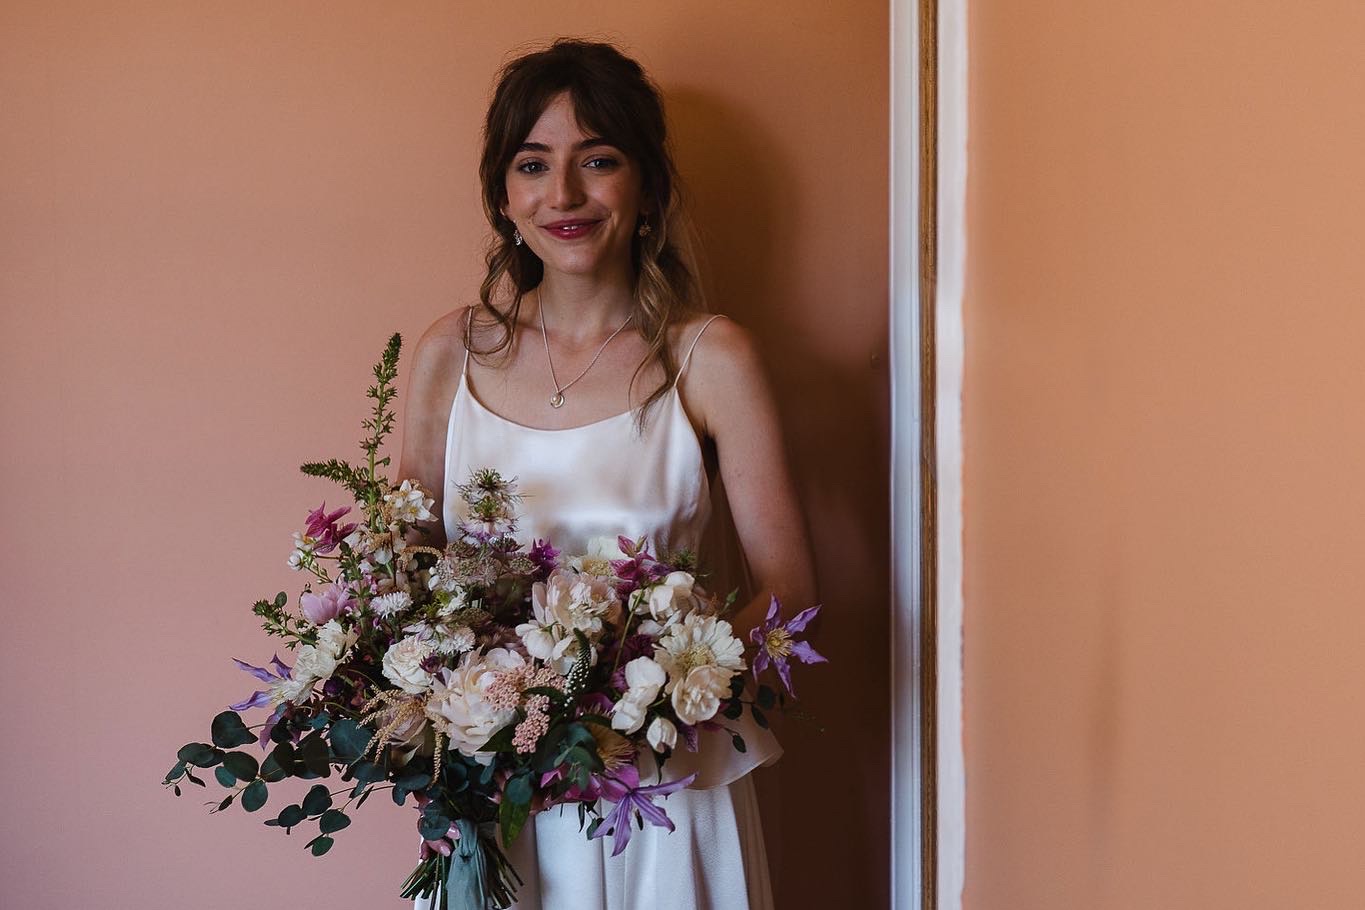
(467, 883)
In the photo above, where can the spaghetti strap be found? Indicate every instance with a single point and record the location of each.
(468, 326)
(688, 358)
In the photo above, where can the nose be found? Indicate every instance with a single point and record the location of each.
(566, 188)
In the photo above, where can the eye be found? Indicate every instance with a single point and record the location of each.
(602, 162)
(530, 166)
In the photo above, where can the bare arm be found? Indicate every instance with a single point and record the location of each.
(732, 397)
(436, 364)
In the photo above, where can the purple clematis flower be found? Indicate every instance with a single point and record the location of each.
(624, 789)
(262, 699)
(322, 527)
(776, 644)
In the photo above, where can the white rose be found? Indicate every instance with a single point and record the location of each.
(403, 665)
(662, 734)
(459, 707)
(629, 713)
(335, 640)
(697, 696)
(313, 664)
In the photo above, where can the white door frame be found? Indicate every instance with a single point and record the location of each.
(928, 244)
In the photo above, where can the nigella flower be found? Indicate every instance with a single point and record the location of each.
(623, 788)
(322, 528)
(777, 646)
(262, 699)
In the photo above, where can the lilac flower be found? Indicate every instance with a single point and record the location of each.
(262, 699)
(322, 527)
(776, 644)
(332, 602)
(624, 789)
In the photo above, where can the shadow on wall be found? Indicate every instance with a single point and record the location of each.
(744, 197)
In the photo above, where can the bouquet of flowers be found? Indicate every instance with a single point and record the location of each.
(485, 680)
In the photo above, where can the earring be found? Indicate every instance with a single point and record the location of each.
(516, 237)
(644, 228)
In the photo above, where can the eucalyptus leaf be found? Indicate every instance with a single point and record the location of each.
(229, 732)
(201, 755)
(225, 777)
(739, 743)
(320, 845)
(314, 754)
(291, 815)
(242, 765)
(333, 820)
(759, 717)
(254, 796)
(766, 698)
(350, 739)
(317, 801)
(434, 823)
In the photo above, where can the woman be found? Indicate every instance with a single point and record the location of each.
(589, 372)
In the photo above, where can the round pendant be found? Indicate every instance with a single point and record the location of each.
(557, 400)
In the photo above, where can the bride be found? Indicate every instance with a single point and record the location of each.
(589, 372)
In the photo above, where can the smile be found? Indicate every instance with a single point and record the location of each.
(570, 230)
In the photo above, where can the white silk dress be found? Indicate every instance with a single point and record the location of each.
(604, 479)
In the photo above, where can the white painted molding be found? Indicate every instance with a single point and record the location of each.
(950, 356)
(907, 695)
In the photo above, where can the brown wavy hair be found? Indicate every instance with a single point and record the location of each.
(613, 98)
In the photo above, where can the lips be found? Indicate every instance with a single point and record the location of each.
(570, 229)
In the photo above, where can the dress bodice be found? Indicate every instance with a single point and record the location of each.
(604, 479)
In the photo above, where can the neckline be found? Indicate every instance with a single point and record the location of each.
(469, 391)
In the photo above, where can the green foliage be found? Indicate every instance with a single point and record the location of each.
(224, 776)
(766, 698)
(352, 478)
(317, 801)
(349, 739)
(254, 796)
(229, 732)
(434, 823)
(201, 755)
(320, 844)
(739, 742)
(243, 766)
(332, 821)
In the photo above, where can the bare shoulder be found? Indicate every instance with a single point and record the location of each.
(726, 378)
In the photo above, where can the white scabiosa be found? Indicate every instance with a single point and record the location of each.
(387, 605)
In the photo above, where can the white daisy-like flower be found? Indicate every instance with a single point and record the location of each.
(389, 604)
(409, 503)
(698, 641)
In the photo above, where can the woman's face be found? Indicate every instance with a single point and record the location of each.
(575, 198)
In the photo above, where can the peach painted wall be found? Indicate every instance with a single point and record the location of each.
(1165, 512)
(211, 218)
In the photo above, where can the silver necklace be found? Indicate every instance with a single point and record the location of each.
(557, 399)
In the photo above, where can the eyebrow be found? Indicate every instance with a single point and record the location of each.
(588, 143)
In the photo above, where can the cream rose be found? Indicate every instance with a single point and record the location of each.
(459, 705)
(403, 665)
